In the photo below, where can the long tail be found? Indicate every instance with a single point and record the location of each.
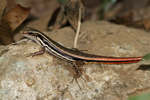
(114, 60)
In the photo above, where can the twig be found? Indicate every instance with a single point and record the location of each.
(78, 28)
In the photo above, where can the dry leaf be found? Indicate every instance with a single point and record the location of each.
(60, 20)
(10, 4)
(5, 32)
(138, 18)
(125, 18)
(147, 23)
(142, 24)
(72, 10)
(2, 7)
(10, 21)
(42, 23)
(16, 16)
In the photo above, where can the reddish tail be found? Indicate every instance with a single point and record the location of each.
(114, 60)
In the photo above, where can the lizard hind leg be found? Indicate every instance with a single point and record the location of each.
(78, 73)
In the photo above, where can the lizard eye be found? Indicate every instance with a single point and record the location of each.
(30, 33)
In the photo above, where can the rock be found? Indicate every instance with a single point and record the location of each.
(45, 77)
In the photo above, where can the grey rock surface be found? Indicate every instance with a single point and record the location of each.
(46, 77)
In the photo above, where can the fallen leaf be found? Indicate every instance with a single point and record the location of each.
(10, 4)
(2, 7)
(10, 21)
(42, 23)
(16, 16)
(146, 23)
(141, 24)
(138, 18)
(5, 32)
(125, 18)
(72, 11)
(60, 20)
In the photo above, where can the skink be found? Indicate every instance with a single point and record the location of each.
(76, 57)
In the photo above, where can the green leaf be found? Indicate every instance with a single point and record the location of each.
(145, 59)
(145, 96)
